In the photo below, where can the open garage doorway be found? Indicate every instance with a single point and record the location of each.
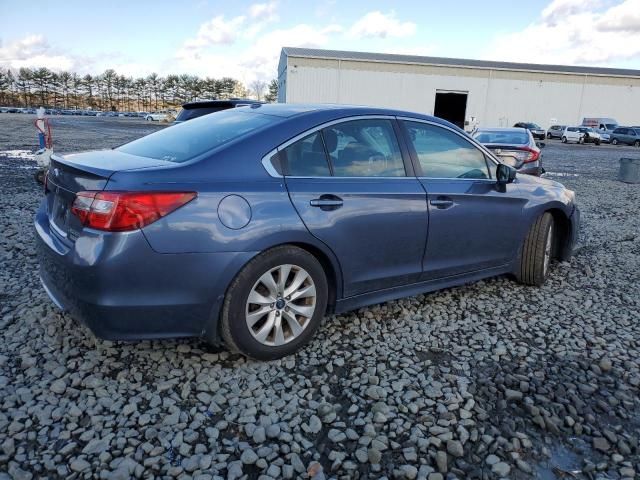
(451, 106)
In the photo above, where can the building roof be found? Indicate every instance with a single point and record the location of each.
(454, 62)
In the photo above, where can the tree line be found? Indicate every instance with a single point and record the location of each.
(35, 87)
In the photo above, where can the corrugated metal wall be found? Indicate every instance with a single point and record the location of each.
(495, 97)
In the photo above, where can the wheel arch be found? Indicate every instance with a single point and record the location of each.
(331, 269)
(561, 248)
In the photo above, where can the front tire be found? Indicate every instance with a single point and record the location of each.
(636, 143)
(275, 304)
(537, 251)
(581, 140)
(614, 141)
(564, 139)
(548, 136)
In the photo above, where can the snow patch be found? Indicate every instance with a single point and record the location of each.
(19, 154)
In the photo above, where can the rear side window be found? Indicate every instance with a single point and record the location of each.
(364, 148)
(185, 141)
(306, 157)
(445, 154)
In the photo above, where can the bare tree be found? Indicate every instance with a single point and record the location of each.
(257, 88)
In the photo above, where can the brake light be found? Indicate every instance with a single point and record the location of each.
(532, 155)
(125, 211)
(46, 182)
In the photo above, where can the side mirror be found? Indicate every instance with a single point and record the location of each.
(541, 144)
(505, 174)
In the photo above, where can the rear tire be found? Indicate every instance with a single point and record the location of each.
(537, 251)
(636, 143)
(581, 140)
(267, 313)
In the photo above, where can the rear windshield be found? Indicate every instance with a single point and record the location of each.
(504, 138)
(185, 141)
(189, 113)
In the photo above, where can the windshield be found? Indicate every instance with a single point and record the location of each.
(502, 137)
(533, 125)
(185, 141)
(611, 126)
(189, 113)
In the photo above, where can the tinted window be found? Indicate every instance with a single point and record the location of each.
(185, 141)
(621, 131)
(445, 154)
(364, 148)
(190, 113)
(501, 137)
(306, 157)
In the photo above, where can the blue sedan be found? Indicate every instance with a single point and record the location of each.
(248, 226)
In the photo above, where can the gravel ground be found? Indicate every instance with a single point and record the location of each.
(489, 380)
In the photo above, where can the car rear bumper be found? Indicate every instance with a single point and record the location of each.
(122, 290)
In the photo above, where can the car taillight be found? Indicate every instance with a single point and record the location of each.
(46, 182)
(125, 211)
(532, 155)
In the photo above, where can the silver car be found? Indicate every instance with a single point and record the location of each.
(515, 147)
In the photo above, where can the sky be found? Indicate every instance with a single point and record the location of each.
(243, 39)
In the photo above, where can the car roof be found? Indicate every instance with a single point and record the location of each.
(328, 111)
(216, 103)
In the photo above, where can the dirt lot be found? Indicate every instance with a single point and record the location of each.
(489, 380)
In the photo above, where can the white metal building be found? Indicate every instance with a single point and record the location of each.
(489, 93)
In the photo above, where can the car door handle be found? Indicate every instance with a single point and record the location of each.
(328, 202)
(442, 203)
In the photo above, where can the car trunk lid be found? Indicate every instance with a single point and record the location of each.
(88, 171)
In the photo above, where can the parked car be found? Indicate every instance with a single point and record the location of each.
(555, 131)
(193, 110)
(626, 135)
(157, 116)
(580, 135)
(591, 135)
(262, 220)
(536, 130)
(513, 146)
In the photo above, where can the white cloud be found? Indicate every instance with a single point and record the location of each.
(263, 10)
(377, 24)
(217, 31)
(34, 51)
(623, 18)
(259, 59)
(569, 33)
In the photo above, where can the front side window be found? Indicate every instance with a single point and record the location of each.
(306, 157)
(445, 154)
(364, 148)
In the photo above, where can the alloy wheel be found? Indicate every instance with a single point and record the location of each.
(280, 305)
